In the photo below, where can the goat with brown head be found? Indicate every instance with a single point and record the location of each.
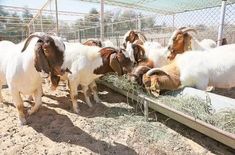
(114, 61)
(165, 78)
(180, 41)
(92, 42)
(133, 36)
(136, 52)
(49, 55)
(137, 74)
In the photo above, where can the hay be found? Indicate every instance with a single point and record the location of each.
(192, 106)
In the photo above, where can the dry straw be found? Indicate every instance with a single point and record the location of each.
(193, 106)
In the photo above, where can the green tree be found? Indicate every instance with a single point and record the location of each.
(14, 28)
(3, 21)
(26, 15)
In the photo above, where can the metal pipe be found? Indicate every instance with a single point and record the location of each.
(33, 27)
(57, 24)
(139, 22)
(102, 20)
(39, 12)
(221, 26)
(41, 21)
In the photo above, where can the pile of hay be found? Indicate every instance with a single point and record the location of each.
(193, 106)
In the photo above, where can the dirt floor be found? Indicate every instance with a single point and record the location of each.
(115, 126)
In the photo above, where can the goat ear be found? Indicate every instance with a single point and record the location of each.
(157, 71)
(41, 63)
(99, 43)
(140, 51)
(132, 35)
(54, 81)
(115, 65)
(29, 39)
(181, 28)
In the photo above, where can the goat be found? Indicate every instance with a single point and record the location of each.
(133, 36)
(89, 63)
(149, 55)
(182, 41)
(152, 51)
(195, 69)
(23, 65)
(137, 74)
(93, 42)
(107, 43)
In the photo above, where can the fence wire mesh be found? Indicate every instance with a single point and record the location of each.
(77, 26)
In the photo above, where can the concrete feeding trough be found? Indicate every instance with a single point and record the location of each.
(218, 102)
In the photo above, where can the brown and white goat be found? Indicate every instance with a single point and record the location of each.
(137, 74)
(89, 63)
(182, 41)
(133, 37)
(93, 42)
(195, 69)
(165, 78)
(21, 66)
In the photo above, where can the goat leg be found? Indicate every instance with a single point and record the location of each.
(1, 99)
(37, 95)
(73, 93)
(19, 106)
(93, 88)
(86, 95)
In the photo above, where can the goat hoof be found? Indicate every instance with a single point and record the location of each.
(210, 88)
(29, 112)
(90, 105)
(76, 110)
(22, 121)
(30, 98)
(97, 100)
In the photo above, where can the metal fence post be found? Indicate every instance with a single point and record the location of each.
(41, 21)
(96, 33)
(112, 28)
(56, 13)
(139, 23)
(221, 26)
(102, 20)
(33, 27)
(79, 36)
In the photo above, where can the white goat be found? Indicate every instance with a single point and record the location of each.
(20, 71)
(108, 43)
(88, 63)
(196, 69)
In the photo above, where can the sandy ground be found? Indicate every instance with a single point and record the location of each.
(111, 127)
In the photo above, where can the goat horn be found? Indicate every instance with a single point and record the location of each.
(181, 28)
(29, 39)
(156, 70)
(189, 29)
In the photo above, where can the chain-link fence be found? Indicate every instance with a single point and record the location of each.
(205, 21)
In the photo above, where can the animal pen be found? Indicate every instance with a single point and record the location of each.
(157, 19)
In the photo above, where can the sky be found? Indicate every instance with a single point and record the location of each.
(208, 16)
(63, 5)
(67, 5)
